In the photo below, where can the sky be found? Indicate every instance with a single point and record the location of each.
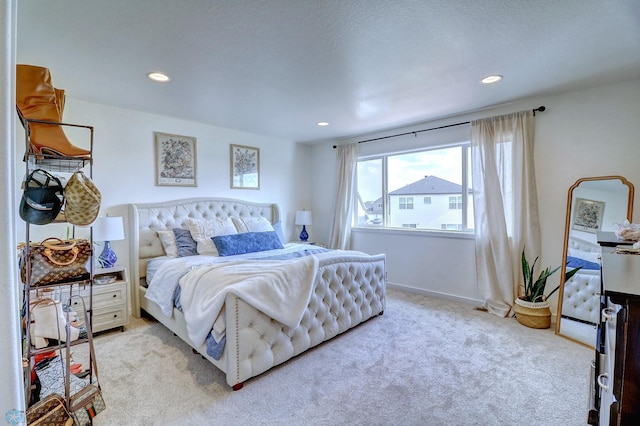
(405, 169)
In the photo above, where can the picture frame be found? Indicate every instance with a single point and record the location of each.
(587, 215)
(175, 160)
(245, 167)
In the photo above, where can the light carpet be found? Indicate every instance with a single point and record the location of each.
(426, 361)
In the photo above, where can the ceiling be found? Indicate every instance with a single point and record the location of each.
(277, 67)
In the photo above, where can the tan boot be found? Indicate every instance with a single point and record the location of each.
(59, 102)
(37, 99)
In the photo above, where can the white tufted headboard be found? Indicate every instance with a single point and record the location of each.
(581, 296)
(145, 220)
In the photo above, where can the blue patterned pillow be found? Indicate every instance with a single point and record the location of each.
(247, 242)
(186, 244)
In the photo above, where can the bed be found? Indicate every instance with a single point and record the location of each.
(344, 288)
(581, 296)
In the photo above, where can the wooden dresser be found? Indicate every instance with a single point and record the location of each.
(617, 363)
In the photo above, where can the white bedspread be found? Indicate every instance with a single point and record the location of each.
(285, 304)
(280, 289)
(165, 280)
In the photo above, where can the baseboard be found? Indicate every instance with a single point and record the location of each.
(437, 294)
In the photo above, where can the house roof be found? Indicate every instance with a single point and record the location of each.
(429, 185)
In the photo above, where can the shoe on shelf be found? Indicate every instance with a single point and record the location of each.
(49, 322)
(37, 99)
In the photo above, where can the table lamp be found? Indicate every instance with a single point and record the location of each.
(303, 217)
(107, 229)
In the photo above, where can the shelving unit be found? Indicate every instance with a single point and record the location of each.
(59, 291)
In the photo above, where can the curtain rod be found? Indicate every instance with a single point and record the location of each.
(541, 108)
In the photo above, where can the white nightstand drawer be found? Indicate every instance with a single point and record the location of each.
(110, 297)
(114, 295)
(104, 319)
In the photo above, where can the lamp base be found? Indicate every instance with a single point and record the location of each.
(107, 258)
(303, 235)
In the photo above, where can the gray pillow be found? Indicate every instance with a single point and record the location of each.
(186, 245)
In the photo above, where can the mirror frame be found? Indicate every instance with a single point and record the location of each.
(567, 227)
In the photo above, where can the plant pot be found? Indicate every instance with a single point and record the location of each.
(533, 314)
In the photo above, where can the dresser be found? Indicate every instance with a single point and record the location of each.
(616, 369)
(110, 302)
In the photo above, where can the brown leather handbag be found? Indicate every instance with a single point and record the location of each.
(55, 261)
(50, 411)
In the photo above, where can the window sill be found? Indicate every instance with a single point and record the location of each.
(430, 233)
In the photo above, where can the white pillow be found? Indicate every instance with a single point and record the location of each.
(203, 230)
(252, 224)
(168, 241)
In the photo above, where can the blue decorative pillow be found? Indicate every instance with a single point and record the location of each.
(185, 243)
(247, 242)
(574, 262)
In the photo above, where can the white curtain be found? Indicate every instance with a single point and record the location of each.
(342, 216)
(505, 205)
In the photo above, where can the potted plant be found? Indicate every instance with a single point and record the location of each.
(532, 305)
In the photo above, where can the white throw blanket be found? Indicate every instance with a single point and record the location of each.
(279, 289)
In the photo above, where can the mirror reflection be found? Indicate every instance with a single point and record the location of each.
(593, 204)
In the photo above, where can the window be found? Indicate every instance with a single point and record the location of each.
(406, 203)
(455, 203)
(438, 178)
(452, 227)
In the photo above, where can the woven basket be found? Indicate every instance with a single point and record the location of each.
(534, 315)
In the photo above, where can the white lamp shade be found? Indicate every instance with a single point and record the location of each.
(108, 228)
(303, 217)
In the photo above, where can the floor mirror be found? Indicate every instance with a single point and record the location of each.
(593, 204)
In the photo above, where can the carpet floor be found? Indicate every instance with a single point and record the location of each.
(426, 361)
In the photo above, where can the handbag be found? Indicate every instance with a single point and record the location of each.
(88, 402)
(49, 411)
(55, 261)
(42, 198)
(82, 200)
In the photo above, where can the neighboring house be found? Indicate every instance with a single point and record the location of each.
(430, 203)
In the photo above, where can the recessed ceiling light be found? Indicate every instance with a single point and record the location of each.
(323, 123)
(158, 76)
(491, 79)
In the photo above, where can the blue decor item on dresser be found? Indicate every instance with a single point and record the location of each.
(107, 258)
(107, 229)
(303, 217)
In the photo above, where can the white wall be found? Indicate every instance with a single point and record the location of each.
(123, 168)
(12, 399)
(591, 132)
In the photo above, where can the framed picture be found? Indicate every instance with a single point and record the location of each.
(587, 215)
(245, 167)
(175, 160)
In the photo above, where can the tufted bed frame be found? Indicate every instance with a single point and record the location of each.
(347, 291)
(581, 296)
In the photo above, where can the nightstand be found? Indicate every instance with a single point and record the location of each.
(110, 307)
